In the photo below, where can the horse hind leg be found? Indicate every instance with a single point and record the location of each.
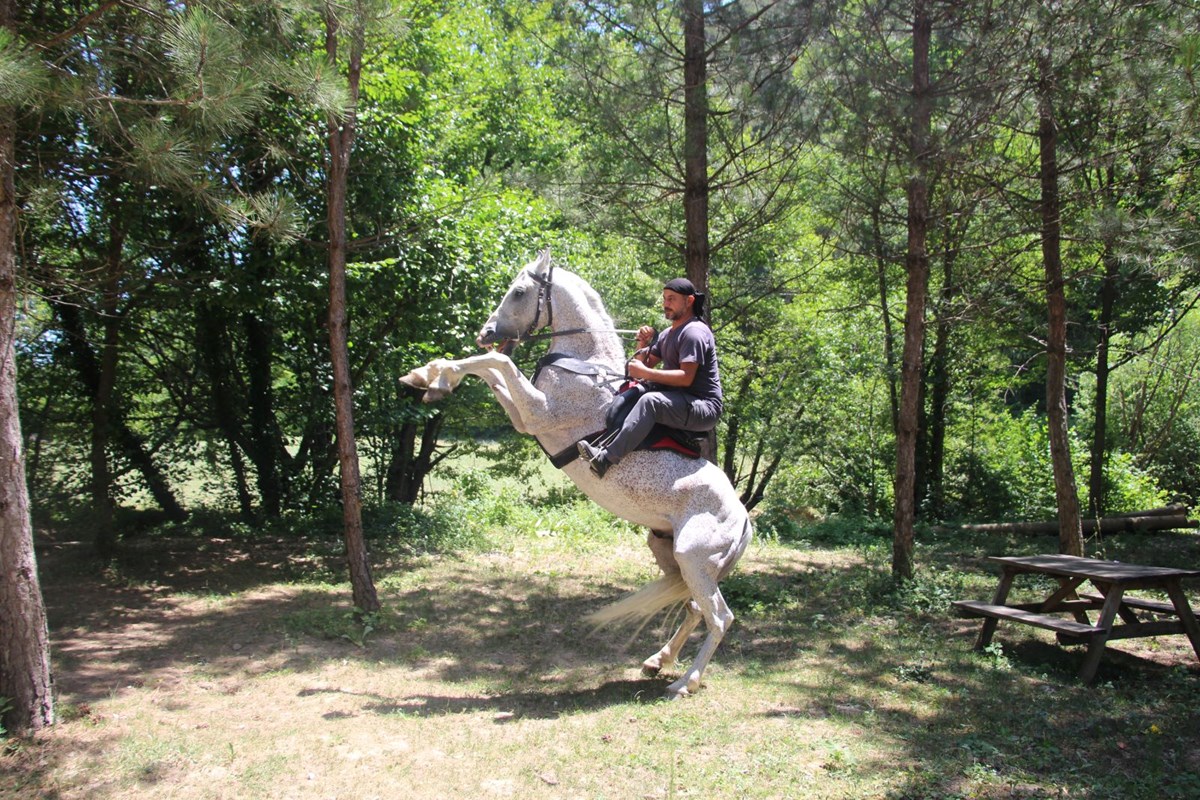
(697, 569)
(717, 619)
(665, 657)
(662, 545)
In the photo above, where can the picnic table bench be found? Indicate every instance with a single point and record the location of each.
(1111, 579)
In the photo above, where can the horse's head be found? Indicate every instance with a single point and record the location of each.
(524, 309)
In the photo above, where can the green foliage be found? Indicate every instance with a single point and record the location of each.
(169, 179)
(1154, 409)
(1001, 470)
(331, 622)
(1130, 487)
(23, 78)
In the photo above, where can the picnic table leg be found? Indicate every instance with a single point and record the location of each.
(1066, 591)
(1091, 661)
(989, 623)
(1184, 610)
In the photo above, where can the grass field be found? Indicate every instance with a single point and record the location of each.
(231, 667)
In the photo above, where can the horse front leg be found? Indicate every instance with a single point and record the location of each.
(495, 382)
(432, 379)
(526, 406)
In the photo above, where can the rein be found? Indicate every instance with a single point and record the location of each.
(572, 331)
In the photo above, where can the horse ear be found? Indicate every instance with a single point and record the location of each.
(542, 265)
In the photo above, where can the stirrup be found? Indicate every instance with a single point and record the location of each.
(595, 458)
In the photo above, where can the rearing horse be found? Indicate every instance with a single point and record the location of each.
(698, 526)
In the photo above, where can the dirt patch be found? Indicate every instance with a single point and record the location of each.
(222, 668)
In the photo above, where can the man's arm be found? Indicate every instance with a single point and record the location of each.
(681, 377)
(645, 336)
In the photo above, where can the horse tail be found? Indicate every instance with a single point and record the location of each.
(640, 606)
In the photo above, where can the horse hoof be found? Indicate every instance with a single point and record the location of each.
(650, 670)
(683, 688)
(676, 694)
(414, 380)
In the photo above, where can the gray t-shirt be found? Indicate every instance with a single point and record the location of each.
(693, 343)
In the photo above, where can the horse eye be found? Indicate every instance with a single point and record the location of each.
(518, 293)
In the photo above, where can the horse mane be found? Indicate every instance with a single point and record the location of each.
(590, 295)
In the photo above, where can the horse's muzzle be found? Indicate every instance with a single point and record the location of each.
(489, 338)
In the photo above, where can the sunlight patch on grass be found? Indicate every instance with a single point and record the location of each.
(480, 680)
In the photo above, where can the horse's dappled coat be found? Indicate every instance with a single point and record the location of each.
(702, 527)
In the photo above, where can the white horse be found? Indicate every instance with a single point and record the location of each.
(698, 526)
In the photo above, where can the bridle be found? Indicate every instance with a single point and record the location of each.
(545, 300)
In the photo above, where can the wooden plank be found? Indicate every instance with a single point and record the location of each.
(1187, 617)
(1140, 629)
(1108, 615)
(1096, 570)
(974, 608)
(1140, 602)
(1062, 606)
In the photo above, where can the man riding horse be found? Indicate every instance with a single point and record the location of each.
(683, 393)
(698, 527)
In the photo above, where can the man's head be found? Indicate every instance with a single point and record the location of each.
(681, 300)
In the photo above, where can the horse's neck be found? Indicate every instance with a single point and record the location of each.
(575, 310)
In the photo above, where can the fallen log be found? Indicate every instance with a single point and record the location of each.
(1173, 510)
(1114, 524)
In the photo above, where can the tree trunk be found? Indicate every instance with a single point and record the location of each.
(409, 464)
(102, 402)
(265, 442)
(24, 640)
(211, 344)
(695, 168)
(917, 266)
(89, 371)
(1070, 535)
(341, 141)
(885, 314)
(939, 378)
(1121, 523)
(695, 147)
(1099, 455)
(733, 426)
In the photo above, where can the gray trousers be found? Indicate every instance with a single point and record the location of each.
(673, 409)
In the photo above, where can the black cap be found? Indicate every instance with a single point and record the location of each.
(680, 286)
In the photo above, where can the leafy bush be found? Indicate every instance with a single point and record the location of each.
(1130, 487)
(1001, 467)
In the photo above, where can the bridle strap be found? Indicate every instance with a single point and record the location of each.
(544, 298)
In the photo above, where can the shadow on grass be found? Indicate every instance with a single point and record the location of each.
(816, 640)
(1014, 722)
(512, 706)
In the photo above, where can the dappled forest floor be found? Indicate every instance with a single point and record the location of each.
(232, 667)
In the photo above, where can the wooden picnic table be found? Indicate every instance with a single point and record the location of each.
(1111, 579)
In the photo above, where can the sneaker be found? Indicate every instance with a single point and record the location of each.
(595, 458)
